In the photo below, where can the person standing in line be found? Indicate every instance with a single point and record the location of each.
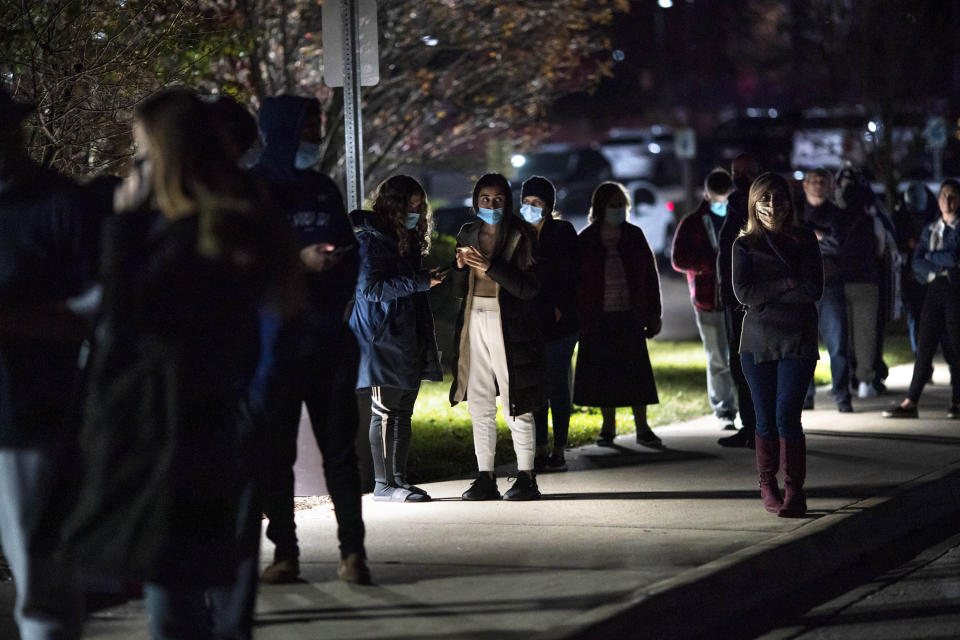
(936, 260)
(558, 268)
(394, 326)
(778, 277)
(827, 221)
(916, 209)
(312, 359)
(861, 252)
(500, 348)
(186, 263)
(743, 171)
(619, 310)
(43, 255)
(695, 248)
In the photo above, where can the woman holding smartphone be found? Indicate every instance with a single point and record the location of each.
(778, 277)
(500, 348)
(393, 323)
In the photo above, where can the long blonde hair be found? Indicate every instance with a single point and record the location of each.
(194, 168)
(766, 183)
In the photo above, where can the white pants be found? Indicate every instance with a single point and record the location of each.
(488, 371)
(48, 605)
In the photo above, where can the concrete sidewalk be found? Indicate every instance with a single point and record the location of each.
(631, 542)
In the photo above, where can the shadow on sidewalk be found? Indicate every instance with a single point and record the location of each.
(947, 440)
(392, 604)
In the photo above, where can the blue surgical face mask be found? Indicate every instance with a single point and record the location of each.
(531, 213)
(615, 216)
(412, 220)
(719, 208)
(490, 216)
(308, 155)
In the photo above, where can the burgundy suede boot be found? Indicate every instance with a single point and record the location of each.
(768, 463)
(793, 456)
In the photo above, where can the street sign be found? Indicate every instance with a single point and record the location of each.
(685, 143)
(367, 52)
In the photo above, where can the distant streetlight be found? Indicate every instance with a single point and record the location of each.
(665, 4)
(517, 160)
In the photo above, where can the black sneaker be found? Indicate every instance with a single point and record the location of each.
(483, 488)
(742, 438)
(540, 462)
(524, 488)
(606, 440)
(954, 412)
(897, 411)
(556, 463)
(648, 438)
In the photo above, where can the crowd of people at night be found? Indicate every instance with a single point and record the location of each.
(159, 334)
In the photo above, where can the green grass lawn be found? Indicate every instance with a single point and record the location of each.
(443, 438)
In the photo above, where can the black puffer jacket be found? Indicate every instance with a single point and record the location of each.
(522, 336)
(558, 268)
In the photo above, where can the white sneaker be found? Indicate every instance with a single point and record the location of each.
(866, 390)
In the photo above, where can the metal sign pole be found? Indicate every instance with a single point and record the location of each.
(353, 131)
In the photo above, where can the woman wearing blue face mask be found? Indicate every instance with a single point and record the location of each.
(393, 323)
(619, 309)
(558, 268)
(500, 347)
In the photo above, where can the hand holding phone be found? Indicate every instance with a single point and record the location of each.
(438, 275)
(322, 256)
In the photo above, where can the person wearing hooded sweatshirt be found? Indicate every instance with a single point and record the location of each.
(500, 344)
(558, 267)
(42, 265)
(312, 360)
(393, 323)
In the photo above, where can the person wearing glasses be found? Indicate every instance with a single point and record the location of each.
(778, 277)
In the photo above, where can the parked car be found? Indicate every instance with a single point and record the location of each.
(574, 171)
(655, 211)
(642, 154)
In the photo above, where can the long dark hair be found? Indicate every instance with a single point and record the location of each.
(523, 256)
(391, 202)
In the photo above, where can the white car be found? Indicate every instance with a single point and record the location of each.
(655, 211)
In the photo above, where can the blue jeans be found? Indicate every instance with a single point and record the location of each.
(778, 388)
(832, 310)
(48, 604)
(559, 354)
(177, 612)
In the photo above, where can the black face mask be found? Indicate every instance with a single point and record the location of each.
(742, 183)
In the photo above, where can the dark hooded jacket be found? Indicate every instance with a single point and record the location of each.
(391, 316)
(43, 262)
(311, 203)
(522, 335)
(313, 206)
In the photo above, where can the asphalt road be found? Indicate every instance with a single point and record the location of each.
(906, 593)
